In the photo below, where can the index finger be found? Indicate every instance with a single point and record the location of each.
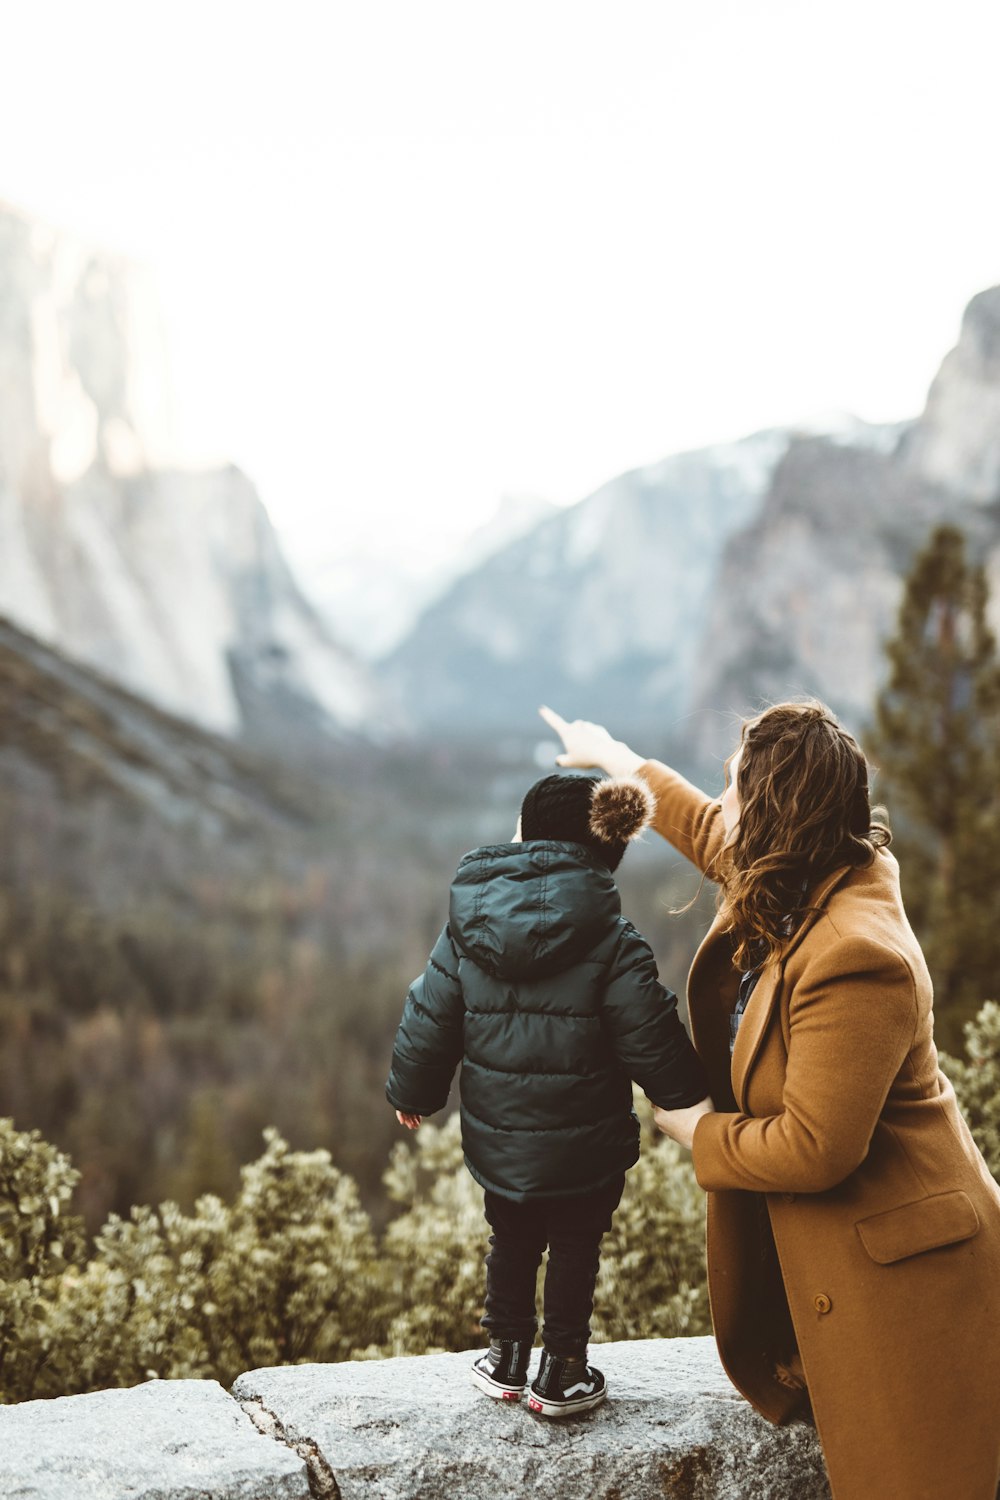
(554, 720)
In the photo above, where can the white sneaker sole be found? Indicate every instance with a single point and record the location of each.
(494, 1388)
(543, 1408)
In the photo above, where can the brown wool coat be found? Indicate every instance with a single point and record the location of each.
(852, 1222)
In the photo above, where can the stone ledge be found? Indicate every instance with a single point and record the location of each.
(165, 1440)
(417, 1429)
(411, 1429)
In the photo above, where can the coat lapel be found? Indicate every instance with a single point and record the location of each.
(768, 987)
(711, 989)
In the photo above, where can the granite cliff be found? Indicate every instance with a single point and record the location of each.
(808, 592)
(679, 597)
(600, 607)
(170, 581)
(956, 443)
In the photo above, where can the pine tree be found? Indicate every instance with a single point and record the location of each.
(936, 743)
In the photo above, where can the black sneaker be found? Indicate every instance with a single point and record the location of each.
(565, 1386)
(502, 1372)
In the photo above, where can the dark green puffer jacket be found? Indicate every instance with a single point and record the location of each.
(550, 1000)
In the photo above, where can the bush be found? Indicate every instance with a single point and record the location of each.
(977, 1082)
(290, 1270)
(652, 1281)
(434, 1251)
(37, 1242)
(285, 1274)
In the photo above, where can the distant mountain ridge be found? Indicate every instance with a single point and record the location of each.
(808, 593)
(669, 602)
(679, 598)
(75, 735)
(603, 605)
(371, 599)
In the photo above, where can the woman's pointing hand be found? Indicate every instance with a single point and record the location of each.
(586, 744)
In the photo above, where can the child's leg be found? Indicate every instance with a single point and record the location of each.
(576, 1227)
(517, 1244)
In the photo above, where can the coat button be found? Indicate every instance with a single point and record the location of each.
(788, 1197)
(822, 1303)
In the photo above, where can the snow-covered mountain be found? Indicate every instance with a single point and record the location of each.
(371, 599)
(808, 592)
(172, 582)
(602, 607)
(679, 598)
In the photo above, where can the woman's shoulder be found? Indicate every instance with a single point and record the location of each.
(863, 921)
(862, 892)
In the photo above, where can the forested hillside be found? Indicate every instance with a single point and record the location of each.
(197, 941)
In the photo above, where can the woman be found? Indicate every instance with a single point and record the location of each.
(853, 1227)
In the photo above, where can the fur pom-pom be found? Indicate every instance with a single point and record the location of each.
(620, 808)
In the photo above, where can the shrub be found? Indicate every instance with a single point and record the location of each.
(290, 1271)
(435, 1250)
(285, 1274)
(651, 1282)
(977, 1082)
(37, 1242)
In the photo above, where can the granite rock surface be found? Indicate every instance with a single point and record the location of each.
(165, 1440)
(417, 1429)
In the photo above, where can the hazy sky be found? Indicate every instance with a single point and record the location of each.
(416, 255)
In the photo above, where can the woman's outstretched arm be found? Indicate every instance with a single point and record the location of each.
(685, 816)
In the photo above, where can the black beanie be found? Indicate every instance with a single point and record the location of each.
(602, 813)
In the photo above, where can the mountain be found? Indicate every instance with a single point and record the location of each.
(198, 939)
(807, 593)
(73, 740)
(173, 582)
(602, 607)
(678, 599)
(372, 598)
(956, 443)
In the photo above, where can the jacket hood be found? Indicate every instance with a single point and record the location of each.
(536, 908)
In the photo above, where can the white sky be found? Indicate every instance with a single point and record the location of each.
(416, 254)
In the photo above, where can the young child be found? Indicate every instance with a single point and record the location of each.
(550, 1000)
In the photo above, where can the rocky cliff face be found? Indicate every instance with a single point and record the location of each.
(600, 603)
(172, 582)
(808, 593)
(956, 443)
(603, 607)
(679, 598)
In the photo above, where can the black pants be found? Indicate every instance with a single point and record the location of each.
(572, 1228)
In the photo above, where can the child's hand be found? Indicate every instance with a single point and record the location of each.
(679, 1124)
(410, 1121)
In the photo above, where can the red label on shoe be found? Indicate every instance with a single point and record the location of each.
(511, 1396)
(534, 1405)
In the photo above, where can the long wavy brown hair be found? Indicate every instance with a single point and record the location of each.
(802, 781)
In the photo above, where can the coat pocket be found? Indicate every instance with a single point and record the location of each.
(927, 1224)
